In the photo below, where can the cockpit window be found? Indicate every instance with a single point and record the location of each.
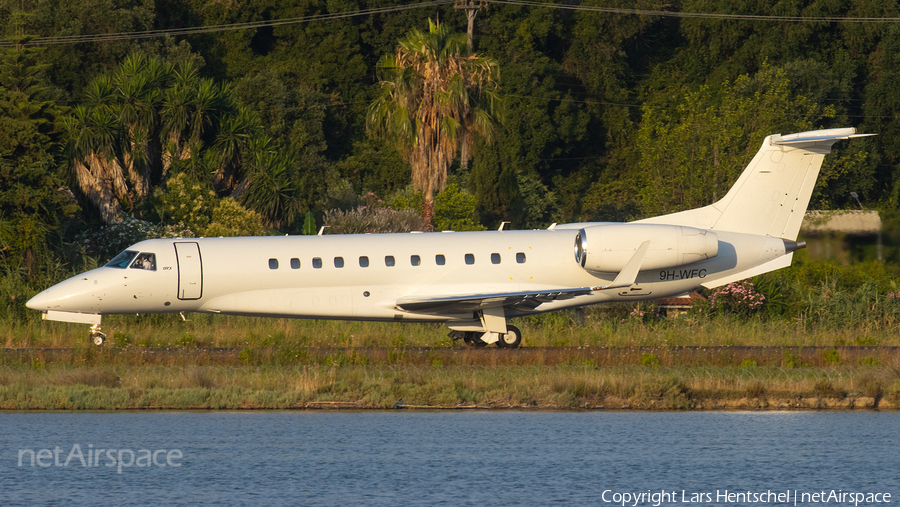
(122, 260)
(145, 261)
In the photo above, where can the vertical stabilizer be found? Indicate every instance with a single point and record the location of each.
(771, 195)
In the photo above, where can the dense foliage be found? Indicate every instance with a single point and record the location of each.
(608, 116)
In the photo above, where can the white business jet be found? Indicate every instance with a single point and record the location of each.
(471, 281)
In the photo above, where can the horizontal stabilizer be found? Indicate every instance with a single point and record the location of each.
(828, 135)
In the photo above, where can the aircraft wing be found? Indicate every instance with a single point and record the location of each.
(442, 305)
(438, 305)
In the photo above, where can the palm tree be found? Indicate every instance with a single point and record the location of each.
(177, 111)
(149, 117)
(138, 84)
(270, 189)
(92, 134)
(434, 93)
(236, 135)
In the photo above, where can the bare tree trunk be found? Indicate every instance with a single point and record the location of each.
(94, 183)
(470, 15)
(428, 211)
(465, 149)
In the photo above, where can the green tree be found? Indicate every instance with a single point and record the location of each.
(690, 156)
(231, 219)
(150, 118)
(72, 66)
(33, 199)
(882, 101)
(454, 209)
(432, 91)
(270, 189)
(550, 135)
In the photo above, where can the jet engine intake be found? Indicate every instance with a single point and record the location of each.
(607, 248)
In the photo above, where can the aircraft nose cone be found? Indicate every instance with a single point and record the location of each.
(62, 294)
(42, 301)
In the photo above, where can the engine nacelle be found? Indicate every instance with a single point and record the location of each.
(607, 248)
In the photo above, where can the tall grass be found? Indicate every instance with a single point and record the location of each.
(819, 305)
(563, 387)
(821, 326)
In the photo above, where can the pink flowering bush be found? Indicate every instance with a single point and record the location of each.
(642, 312)
(740, 298)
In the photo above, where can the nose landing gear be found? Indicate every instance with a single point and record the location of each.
(97, 338)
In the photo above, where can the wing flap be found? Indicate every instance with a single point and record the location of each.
(474, 302)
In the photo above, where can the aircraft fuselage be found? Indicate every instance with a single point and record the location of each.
(362, 276)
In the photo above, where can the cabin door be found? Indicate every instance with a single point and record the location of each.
(190, 271)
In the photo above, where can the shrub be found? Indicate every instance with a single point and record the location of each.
(454, 209)
(791, 359)
(111, 239)
(868, 361)
(649, 360)
(372, 217)
(230, 219)
(831, 356)
(187, 202)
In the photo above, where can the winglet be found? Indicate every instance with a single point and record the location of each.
(628, 275)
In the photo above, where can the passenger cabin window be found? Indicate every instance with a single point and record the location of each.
(363, 262)
(439, 260)
(317, 262)
(415, 260)
(295, 263)
(470, 259)
(389, 261)
(122, 260)
(338, 262)
(145, 261)
(520, 257)
(273, 263)
(495, 258)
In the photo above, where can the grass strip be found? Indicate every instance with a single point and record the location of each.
(79, 387)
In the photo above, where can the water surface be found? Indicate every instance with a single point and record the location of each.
(449, 457)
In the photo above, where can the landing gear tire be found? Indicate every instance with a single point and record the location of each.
(473, 340)
(98, 338)
(511, 339)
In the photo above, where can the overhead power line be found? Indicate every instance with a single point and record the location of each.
(78, 39)
(110, 37)
(700, 15)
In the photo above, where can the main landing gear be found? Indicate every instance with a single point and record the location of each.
(509, 340)
(97, 338)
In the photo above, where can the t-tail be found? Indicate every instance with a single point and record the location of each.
(771, 195)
